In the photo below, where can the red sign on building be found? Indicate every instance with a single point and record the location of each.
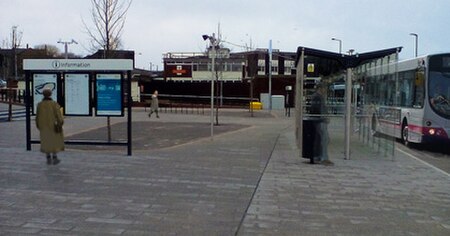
(178, 71)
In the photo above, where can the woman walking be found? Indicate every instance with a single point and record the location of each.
(49, 122)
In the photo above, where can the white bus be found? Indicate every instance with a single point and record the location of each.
(336, 97)
(408, 99)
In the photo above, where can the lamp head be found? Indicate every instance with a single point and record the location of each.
(205, 37)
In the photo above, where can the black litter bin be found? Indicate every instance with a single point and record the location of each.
(311, 139)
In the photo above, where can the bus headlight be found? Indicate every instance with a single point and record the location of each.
(431, 131)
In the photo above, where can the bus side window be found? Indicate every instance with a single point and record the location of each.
(406, 87)
(419, 88)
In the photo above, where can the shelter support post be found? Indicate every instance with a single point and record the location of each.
(28, 109)
(348, 112)
(299, 102)
(129, 107)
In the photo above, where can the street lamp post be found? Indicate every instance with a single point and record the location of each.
(270, 75)
(66, 43)
(213, 42)
(340, 44)
(416, 36)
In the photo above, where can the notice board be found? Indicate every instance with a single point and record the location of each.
(109, 95)
(77, 94)
(41, 82)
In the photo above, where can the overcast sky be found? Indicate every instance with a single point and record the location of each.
(154, 27)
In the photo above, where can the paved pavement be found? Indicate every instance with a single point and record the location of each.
(248, 180)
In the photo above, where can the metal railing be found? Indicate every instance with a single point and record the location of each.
(191, 104)
(10, 97)
(7, 115)
(13, 95)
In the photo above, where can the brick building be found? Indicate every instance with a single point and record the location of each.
(239, 76)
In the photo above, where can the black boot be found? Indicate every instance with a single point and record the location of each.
(49, 160)
(55, 160)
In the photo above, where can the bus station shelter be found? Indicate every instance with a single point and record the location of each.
(329, 63)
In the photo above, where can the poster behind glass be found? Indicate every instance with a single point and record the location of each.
(109, 95)
(77, 95)
(41, 82)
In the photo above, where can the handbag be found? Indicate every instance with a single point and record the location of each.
(58, 127)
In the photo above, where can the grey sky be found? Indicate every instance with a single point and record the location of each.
(154, 27)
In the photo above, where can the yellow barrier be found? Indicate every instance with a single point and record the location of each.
(256, 105)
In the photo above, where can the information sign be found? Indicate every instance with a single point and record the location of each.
(77, 94)
(109, 95)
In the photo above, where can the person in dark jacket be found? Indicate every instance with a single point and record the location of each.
(318, 108)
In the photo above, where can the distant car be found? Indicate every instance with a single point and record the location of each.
(2, 83)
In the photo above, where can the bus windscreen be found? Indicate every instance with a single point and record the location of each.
(439, 85)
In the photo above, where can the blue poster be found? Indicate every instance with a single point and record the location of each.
(109, 95)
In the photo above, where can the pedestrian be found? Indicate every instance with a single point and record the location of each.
(49, 122)
(321, 139)
(155, 104)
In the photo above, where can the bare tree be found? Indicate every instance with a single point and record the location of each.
(108, 17)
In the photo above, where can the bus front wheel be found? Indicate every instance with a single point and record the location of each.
(405, 133)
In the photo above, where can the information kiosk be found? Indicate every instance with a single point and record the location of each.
(80, 86)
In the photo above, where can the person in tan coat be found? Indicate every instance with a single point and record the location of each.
(49, 122)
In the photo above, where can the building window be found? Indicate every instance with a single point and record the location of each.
(288, 67)
(202, 67)
(227, 66)
(236, 67)
(261, 66)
